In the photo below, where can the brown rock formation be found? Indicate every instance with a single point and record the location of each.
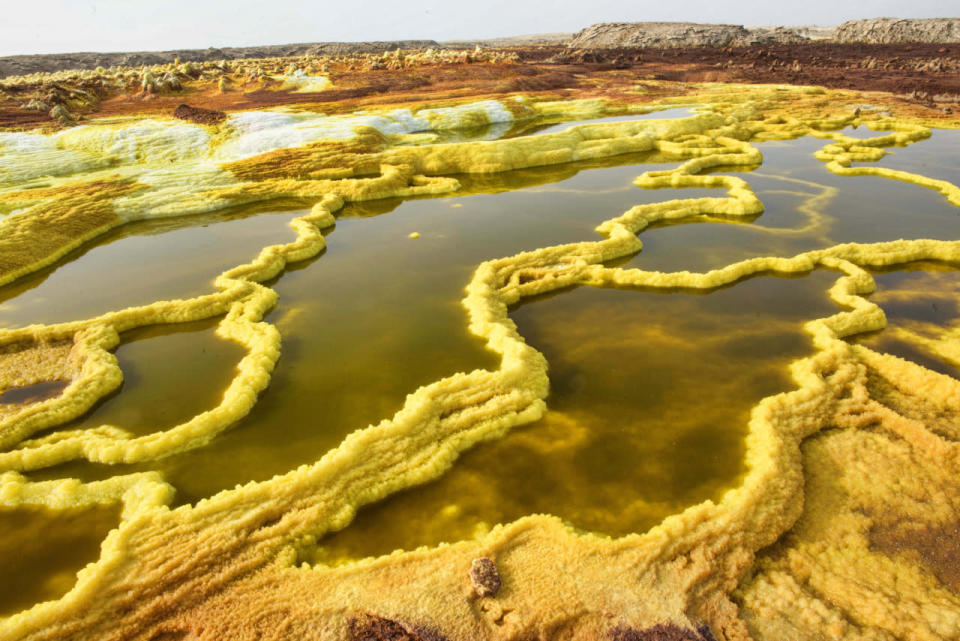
(895, 30)
(659, 35)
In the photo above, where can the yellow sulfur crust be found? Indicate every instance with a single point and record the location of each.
(225, 567)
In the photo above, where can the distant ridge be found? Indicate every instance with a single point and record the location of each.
(659, 35)
(667, 35)
(611, 35)
(897, 30)
(531, 40)
(27, 64)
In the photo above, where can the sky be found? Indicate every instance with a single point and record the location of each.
(60, 26)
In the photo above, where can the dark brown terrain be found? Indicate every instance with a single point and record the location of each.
(924, 71)
(926, 75)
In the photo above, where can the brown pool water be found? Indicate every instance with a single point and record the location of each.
(927, 157)
(42, 550)
(33, 393)
(143, 262)
(863, 209)
(171, 373)
(920, 298)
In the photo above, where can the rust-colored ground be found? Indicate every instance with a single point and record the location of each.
(923, 72)
(927, 75)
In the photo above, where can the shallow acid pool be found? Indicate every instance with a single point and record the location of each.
(650, 397)
(41, 551)
(651, 389)
(920, 301)
(143, 262)
(378, 314)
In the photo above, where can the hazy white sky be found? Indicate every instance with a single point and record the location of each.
(57, 26)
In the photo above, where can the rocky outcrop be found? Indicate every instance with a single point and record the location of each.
(771, 36)
(667, 35)
(896, 30)
(664, 35)
(813, 32)
(660, 35)
(21, 65)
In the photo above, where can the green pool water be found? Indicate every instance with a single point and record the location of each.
(650, 397)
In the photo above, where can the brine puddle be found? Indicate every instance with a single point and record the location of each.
(140, 263)
(920, 301)
(650, 398)
(805, 207)
(379, 314)
(651, 390)
(42, 550)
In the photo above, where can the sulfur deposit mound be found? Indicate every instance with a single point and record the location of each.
(897, 30)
